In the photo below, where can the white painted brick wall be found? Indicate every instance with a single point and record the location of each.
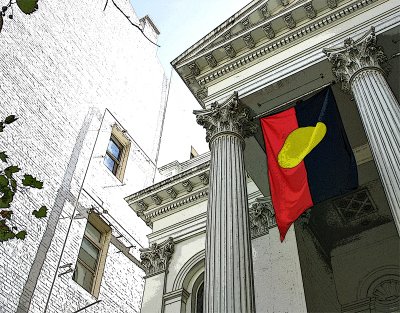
(55, 65)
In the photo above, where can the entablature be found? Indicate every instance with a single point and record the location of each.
(260, 30)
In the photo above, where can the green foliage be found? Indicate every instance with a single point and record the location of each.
(3, 156)
(9, 183)
(31, 181)
(26, 6)
(42, 212)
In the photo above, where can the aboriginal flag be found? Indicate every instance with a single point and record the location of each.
(309, 157)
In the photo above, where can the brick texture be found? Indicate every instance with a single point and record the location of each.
(60, 68)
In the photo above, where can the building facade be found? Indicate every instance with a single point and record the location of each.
(214, 245)
(80, 78)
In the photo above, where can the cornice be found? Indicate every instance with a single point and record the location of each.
(167, 182)
(274, 41)
(280, 43)
(203, 193)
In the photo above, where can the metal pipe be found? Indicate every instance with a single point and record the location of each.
(89, 305)
(73, 213)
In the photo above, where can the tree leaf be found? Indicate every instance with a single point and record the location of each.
(3, 155)
(10, 119)
(13, 184)
(5, 232)
(21, 234)
(31, 181)
(42, 212)
(1, 22)
(7, 198)
(3, 182)
(1, 126)
(27, 6)
(6, 214)
(11, 170)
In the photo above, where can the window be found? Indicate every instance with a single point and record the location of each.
(199, 299)
(198, 294)
(117, 152)
(92, 254)
(113, 156)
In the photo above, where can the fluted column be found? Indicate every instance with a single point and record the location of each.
(360, 66)
(228, 285)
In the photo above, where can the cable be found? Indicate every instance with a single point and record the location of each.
(162, 124)
(73, 213)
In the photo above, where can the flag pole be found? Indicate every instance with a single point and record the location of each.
(286, 105)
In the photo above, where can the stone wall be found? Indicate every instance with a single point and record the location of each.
(61, 68)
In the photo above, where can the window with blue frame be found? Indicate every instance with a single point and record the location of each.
(113, 155)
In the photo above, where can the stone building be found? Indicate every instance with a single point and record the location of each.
(80, 77)
(341, 255)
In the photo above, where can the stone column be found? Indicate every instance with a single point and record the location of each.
(228, 285)
(360, 66)
(155, 261)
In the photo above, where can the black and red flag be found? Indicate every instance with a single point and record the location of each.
(309, 157)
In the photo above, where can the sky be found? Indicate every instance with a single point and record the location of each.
(181, 24)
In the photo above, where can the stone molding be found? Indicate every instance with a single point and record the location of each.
(166, 183)
(155, 259)
(189, 199)
(262, 217)
(228, 117)
(356, 56)
(282, 42)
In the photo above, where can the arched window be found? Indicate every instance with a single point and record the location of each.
(199, 298)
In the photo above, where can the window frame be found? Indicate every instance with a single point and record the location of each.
(120, 139)
(117, 161)
(105, 238)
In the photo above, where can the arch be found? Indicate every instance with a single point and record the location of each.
(193, 265)
(198, 286)
(373, 279)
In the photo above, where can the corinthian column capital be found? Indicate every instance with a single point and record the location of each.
(155, 259)
(230, 116)
(356, 56)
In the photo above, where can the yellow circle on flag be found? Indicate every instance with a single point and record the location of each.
(299, 143)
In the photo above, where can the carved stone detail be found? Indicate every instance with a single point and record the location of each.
(187, 185)
(227, 35)
(211, 60)
(194, 69)
(249, 41)
(262, 217)
(289, 21)
(246, 22)
(264, 11)
(269, 31)
(356, 56)
(230, 116)
(172, 192)
(355, 205)
(388, 290)
(230, 51)
(202, 93)
(142, 205)
(157, 200)
(310, 10)
(204, 178)
(155, 259)
(332, 4)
